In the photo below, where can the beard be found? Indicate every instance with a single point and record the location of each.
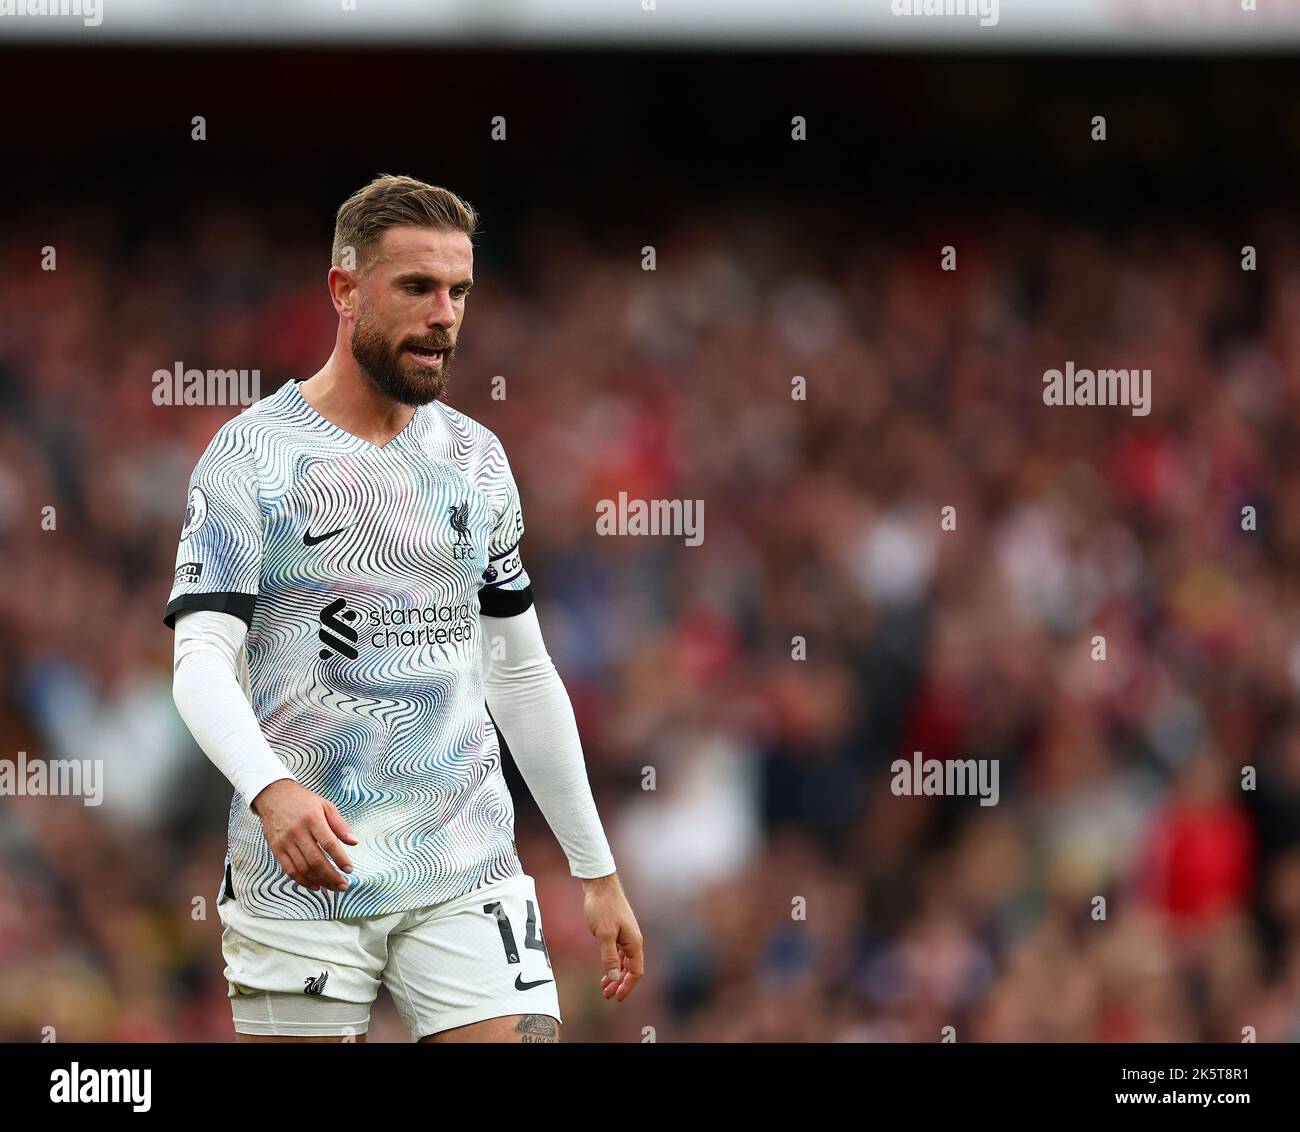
(392, 371)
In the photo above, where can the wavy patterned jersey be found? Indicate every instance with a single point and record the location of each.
(361, 572)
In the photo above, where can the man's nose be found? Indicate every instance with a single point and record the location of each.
(442, 311)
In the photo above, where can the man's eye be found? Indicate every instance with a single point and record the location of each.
(414, 289)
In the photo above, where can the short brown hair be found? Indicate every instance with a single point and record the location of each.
(389, 201)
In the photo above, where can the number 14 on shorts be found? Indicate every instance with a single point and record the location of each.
(532, 938)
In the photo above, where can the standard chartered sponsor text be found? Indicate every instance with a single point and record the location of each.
(437, 625)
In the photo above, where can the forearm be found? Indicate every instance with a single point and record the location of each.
(210, 700)
(532, 710)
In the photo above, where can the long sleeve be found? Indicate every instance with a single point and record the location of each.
(211, 700)
(532, 710)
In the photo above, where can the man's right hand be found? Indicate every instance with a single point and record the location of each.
(301, 827)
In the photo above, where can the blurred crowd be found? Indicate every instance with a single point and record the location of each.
(1112, 612)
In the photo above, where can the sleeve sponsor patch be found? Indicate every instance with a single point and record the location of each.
(196, 513)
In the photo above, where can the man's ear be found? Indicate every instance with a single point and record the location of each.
(343, 291)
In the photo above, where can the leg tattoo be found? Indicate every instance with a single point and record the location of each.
(538, 1028)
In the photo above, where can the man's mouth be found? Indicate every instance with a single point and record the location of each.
(426, 356)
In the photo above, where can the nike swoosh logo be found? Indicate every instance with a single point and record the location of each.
(308, 539)
(521, 985)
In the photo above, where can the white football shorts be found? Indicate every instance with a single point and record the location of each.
(478, 956)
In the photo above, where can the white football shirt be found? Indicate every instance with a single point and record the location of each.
(361, 572)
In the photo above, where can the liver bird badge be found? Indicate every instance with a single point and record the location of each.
(460, 521)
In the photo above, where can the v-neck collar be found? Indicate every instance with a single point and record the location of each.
(413, 427)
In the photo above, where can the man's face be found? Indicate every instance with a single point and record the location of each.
(410, 305)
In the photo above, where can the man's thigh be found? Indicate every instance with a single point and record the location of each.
(521, 1028)
(476, 968)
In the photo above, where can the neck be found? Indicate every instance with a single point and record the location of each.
(342, 394)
